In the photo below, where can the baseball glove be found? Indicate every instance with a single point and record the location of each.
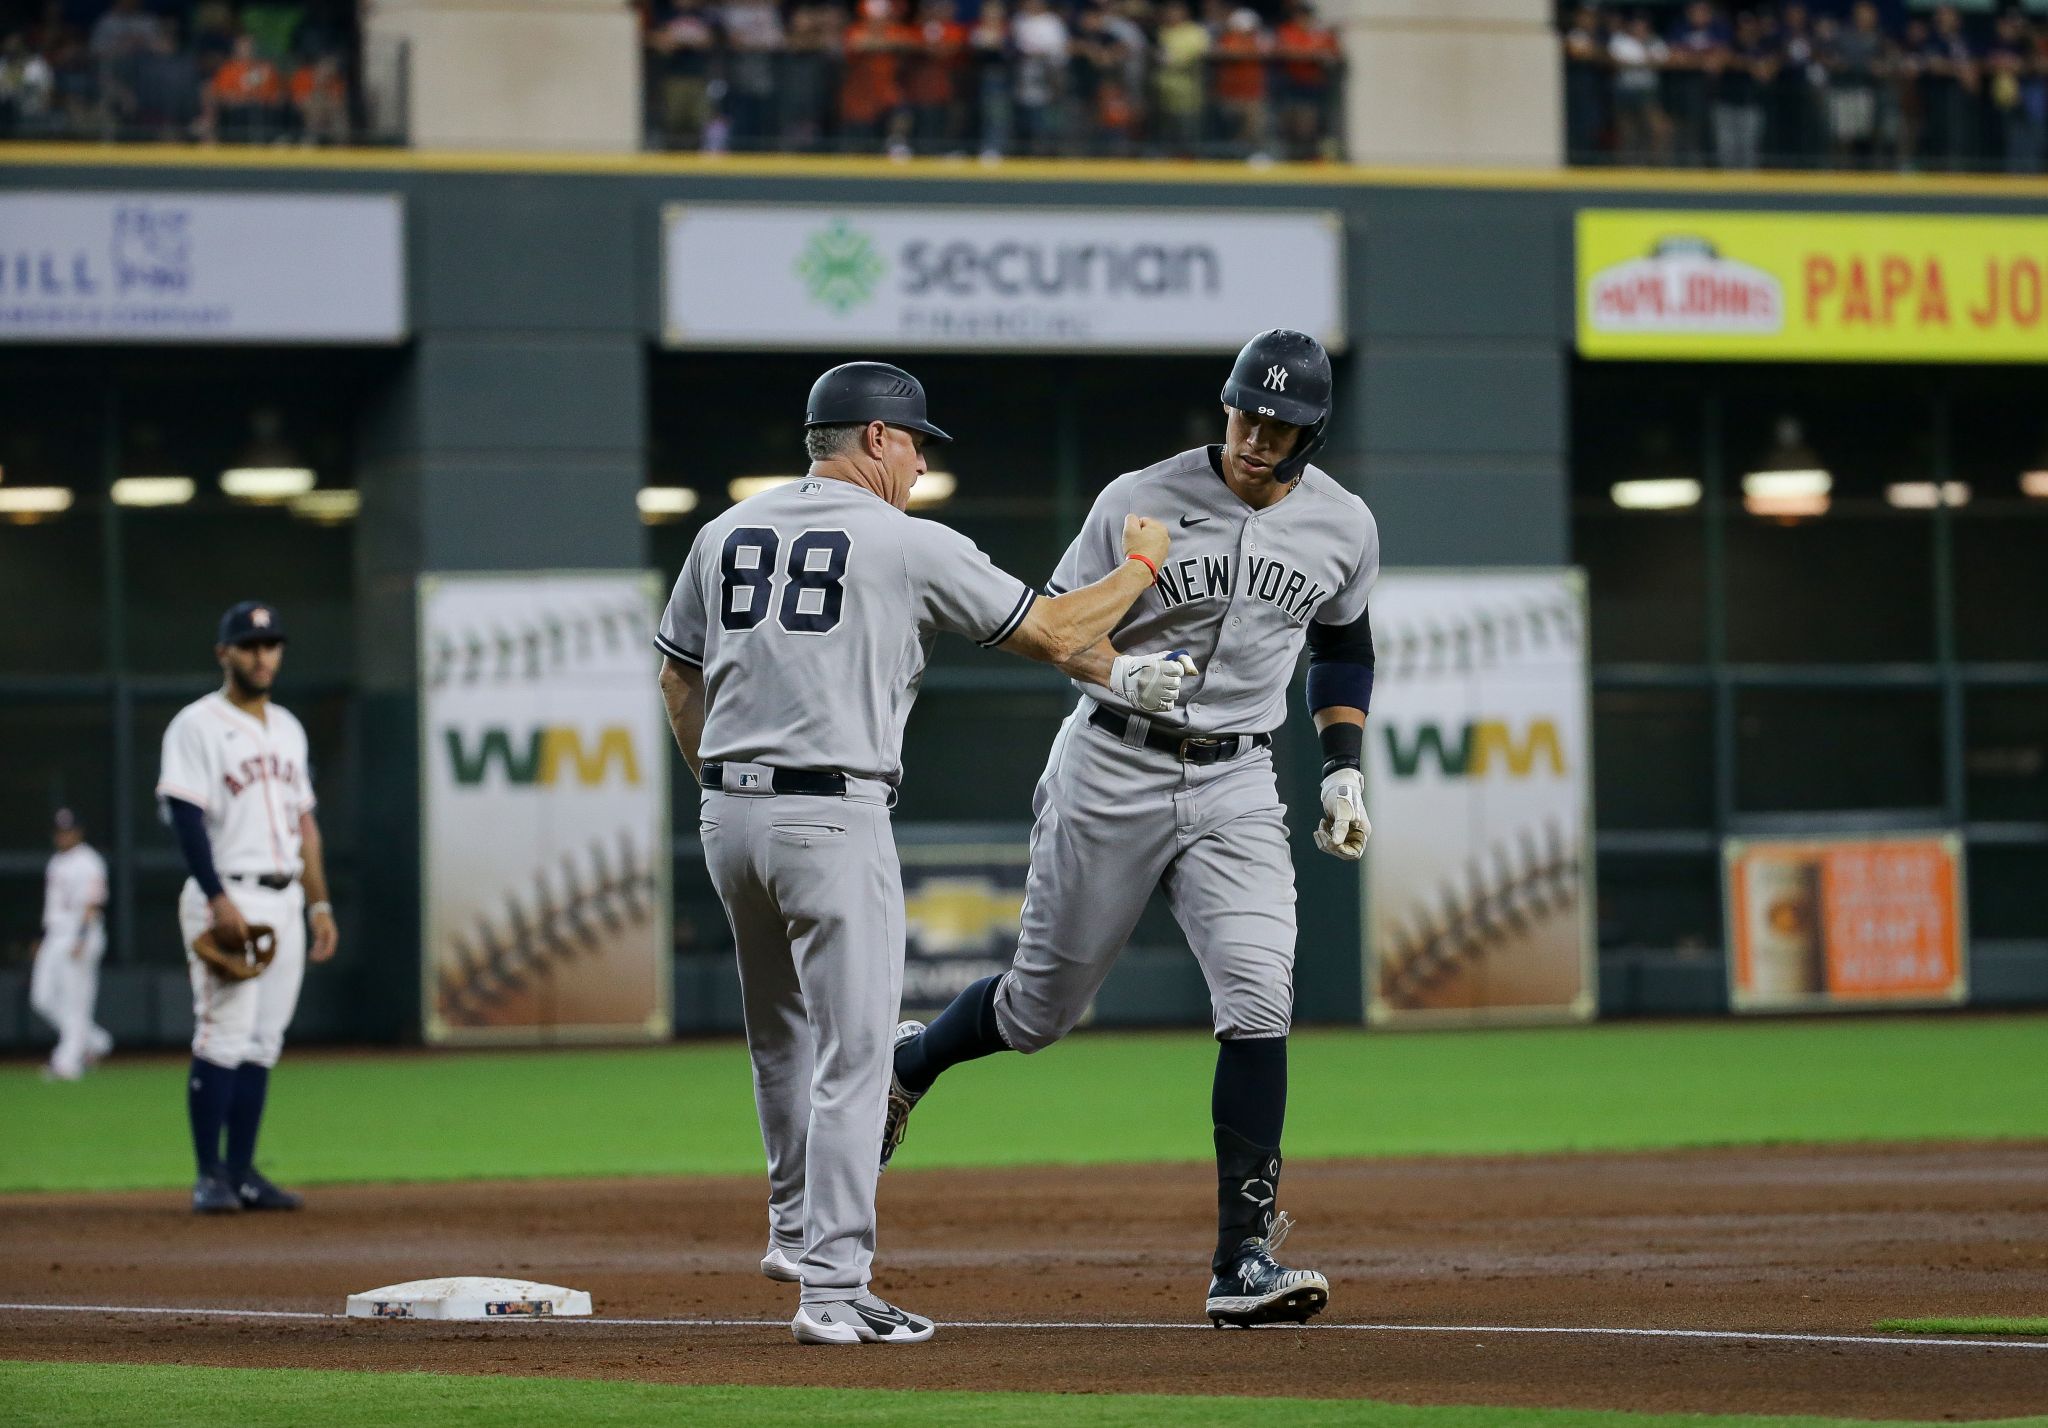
(238, 964)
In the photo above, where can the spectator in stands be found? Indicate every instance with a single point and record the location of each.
(1309, 52)
(993, 112)
(1792, 131)
(2034, 101)
(1949, 88)
(1587, 75)
(1178, 81)
(28, 87)
(125, 30)
(320, 101)
(2008, 66)
(1638, 55)
(682, 42)
(1238, 80)
(1855, 57)
(1040, 39)
(753, 36)
(809, 77)
(1699, 48)
(246, 98)
(1908, 96)
(938, 78)
(1746, 77)
(871, 107)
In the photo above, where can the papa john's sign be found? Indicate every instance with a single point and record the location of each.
(1697, 285)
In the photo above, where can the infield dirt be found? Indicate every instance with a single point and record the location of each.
(1792, 1240)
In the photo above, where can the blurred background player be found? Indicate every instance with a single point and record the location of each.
(793, 647)
(238, 793)
(66, 979)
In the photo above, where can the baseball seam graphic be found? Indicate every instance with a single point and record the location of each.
(1479, 639)
(559, 915)
(1517, 883)
(531, 649)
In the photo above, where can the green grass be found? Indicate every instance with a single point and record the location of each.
(1094, 1098)
(1966, 1325)
(121, 1395)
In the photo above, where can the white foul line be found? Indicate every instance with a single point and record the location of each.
(1741, 1335)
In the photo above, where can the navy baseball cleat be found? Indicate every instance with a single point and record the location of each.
(901, 1100)
(1257, 1289)
(255, 1192)
(212, 1194)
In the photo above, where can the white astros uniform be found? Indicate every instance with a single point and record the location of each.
(1115, 818)
(812, 609)
(62, 988)
(252, 780)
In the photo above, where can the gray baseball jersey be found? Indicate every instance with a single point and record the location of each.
(811, 610)
(1115, 818)
(1239, 588)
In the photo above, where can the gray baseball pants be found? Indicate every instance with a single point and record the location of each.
(814, 893)
(1115, 819)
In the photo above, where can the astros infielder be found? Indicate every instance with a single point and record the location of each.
(237, 789)
(794, 644)
(1269, 552)
(65, 981)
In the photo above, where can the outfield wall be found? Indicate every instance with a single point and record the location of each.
(531, 397)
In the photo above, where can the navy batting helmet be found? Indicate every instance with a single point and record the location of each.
(858, 392)
(1285, 374)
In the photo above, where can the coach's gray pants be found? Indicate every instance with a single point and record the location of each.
(814, 893)
(1112, 822)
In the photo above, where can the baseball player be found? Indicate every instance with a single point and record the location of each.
(1269, 553)
(65, 981)
(237, 790)
(793, 647)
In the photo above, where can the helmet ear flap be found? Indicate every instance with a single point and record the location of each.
(1306, 445)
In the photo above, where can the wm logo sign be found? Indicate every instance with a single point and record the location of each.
(1478, 748)
(543, 756)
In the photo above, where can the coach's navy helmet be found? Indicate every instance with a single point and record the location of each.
(1285, 374)
(251, 622)
(856, 393)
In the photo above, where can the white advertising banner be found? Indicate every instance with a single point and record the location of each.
(544, 848)
(201, 267)
(1479, 875)
(996, 279)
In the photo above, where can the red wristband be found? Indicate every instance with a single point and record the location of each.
(1146, 562)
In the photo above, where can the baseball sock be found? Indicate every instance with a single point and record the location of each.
(965, 1031)
(245, 1114)
(1249, 1107)
(206, 1102)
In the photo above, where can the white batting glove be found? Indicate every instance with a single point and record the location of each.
(1344, 828)
(1150, 683)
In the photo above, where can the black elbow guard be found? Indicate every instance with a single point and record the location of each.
(1340, 664)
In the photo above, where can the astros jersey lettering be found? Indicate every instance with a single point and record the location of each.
(250, 778)
(1239, 588)
(812, 609)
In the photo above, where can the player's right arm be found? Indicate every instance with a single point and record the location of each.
(681, 639)
(187, 773)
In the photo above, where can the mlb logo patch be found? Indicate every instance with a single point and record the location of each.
(809, 488)
(750, 780)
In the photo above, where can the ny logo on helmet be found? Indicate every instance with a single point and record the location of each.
(1276, 378)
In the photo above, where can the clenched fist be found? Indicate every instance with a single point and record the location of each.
(1150, 683)
(1147, 537)
(1344, 828)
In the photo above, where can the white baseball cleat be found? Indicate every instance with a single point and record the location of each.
(779, 1266)
(866, 1320)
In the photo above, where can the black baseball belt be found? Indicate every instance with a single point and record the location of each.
(1188, 748)
(276, 882)
(822, 783)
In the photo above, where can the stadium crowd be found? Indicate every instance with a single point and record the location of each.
(1803, 86)
(1107, 77)
(268, 72)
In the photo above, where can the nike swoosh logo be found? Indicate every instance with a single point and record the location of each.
(1192, 520)
(882, 1323)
